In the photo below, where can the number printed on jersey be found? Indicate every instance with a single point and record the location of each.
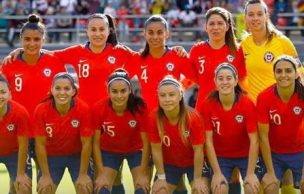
(18, 82)
(216, 125)
(275, 117)
(108, 128)
(49, 129)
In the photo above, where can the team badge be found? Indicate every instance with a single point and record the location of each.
(297, 110)
(230, 58)
(268, 57)
(239, 118)
(75, 123)
(201, 61)
(132, 123)
(170, 66)
(111, 59)
(186, 133)
(10, 127)
(47, 72)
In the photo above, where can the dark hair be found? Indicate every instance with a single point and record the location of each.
(33, 23)
(152, 19)
(271, 30)
(230, 38)
(4, 79)
(135, 104)
(299, 88)
(237, 89)
(112, 38)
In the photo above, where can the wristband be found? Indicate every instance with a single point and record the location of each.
(161, 176)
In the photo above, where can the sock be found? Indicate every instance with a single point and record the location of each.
(118, 189)
(235, 188)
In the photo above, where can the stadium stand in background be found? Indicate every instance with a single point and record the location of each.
(66, 19)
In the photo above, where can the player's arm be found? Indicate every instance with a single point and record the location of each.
(22, 177)
(97, 153)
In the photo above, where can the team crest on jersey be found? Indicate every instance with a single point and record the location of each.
(170, 66)
(75, 123)
(47, 72)
(297, 110)
(230, 58)
(239, 118)
(186, 133)
(132, 123)
(268, 57)
(10, 127)
(111, 59)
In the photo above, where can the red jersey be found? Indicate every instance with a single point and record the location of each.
(93, 69)
(15, 123)
(119, 134)
(175, 151)
(150, 71)
(285, 120)
(63, 132)
(30, 84)
(206, 59)
(230, 128)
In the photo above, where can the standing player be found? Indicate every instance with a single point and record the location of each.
(121, 117)
(63, 137)
(280, 115)
(177, 137)
(221, 47)
(14, 126)
(261, 47)
(157, 60)
(231, 137)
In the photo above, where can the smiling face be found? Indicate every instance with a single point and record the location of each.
(119, 92)
(284, 74)
(256, 17)
(225, 82)
(5, 94)
(216, 27)
(98, 32)
(156, 34)
(169, 97)
(32, 41)
(63, 91)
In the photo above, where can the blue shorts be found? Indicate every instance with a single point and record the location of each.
(207, 170)
(11, 163)
(294, 162)
(227, 166)
(174, 173)
(114, 160)
(57, 165)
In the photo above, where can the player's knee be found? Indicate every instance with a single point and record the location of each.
(24, 190)
(222, 189)
(249, 190)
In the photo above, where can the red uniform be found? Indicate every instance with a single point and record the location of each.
(206, 59)
(93, 69)
(285, 120)
(230, 128)
(63, 132)
(30, 84)
(120, 134)
(151, 71)
(175, 152)
(15, 123)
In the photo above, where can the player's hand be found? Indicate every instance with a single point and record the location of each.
(24, 182)
(84, 184)
(101, 182)
(268, 179)
(180, 51)
(160, 187)
(143, 181)
(199, 187)
(46, 185)
(12, 56)
(253, 182)
(218, 180)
